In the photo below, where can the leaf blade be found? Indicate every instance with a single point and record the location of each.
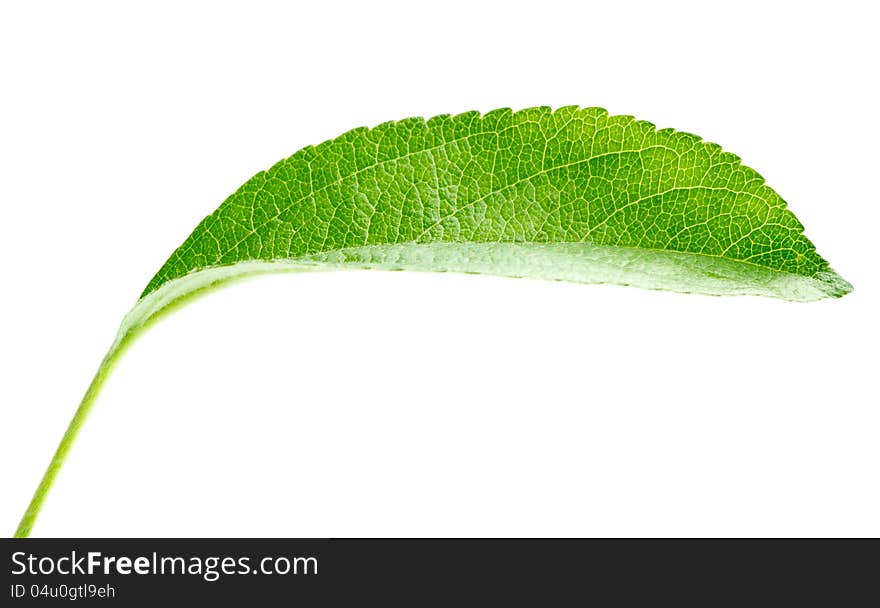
(535, 177)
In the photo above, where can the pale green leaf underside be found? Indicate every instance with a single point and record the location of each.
(572, 194)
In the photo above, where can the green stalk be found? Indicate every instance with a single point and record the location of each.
(79, 418)
(146, 312)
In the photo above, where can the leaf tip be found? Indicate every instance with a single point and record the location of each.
(834, 285)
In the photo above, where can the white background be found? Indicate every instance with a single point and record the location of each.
(366, 403)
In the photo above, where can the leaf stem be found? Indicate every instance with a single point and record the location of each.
(82, 412)
(147, 310)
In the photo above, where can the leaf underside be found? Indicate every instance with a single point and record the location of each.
(572, 194)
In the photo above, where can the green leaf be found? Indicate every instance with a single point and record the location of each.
(572, 194)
